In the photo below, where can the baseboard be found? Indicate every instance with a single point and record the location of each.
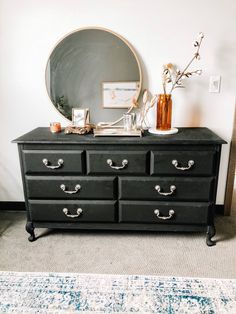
(219, 209)
(12, 206)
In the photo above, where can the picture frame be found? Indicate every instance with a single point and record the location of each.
(119, 94)
(80, 117)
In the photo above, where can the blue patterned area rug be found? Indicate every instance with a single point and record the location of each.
(90, 293)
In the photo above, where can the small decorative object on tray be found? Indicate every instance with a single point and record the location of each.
(79, 130)
(148, 103)
(127, 119)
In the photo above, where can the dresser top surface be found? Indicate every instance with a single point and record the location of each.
(192, 136)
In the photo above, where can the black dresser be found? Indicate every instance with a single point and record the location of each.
(154, 183)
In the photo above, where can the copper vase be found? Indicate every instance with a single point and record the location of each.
(164, 112)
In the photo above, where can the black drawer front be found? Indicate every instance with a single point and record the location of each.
(99, 162)
(81, 211)
(71, 187)
(163, 212)
(192, 189)
(45, 161)
(183, 162)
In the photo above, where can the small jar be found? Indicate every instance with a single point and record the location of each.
(55, 127)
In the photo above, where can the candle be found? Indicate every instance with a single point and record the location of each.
(55, 127)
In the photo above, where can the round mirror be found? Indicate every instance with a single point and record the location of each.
(96, 69)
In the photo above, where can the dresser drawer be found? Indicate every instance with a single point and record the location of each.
(183, 162)
(55, 161)
(71, 187)
(73, 211)
(163, 212)
(166, 188)
(118, 162)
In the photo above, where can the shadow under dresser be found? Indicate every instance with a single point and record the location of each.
(153, 183)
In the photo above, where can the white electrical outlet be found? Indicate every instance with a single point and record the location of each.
(214, 84)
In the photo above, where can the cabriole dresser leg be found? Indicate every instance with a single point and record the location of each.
(211, 231)
(30, 229)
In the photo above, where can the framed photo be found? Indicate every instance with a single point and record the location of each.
(80, 117)
(119, 94)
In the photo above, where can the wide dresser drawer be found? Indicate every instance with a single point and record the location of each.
(73, 211)
(56, 161)
(117, 162)
(166, 188)
(71, 187)
(191, 163)
(163, 212)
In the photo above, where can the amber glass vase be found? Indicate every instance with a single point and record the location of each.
(164, 112)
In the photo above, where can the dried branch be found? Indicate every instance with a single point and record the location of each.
(174, 76)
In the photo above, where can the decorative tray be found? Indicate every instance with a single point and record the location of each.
(111, 131)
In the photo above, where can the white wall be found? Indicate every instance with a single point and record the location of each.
(161, 31)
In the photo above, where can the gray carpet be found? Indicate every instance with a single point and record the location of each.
(165, 254)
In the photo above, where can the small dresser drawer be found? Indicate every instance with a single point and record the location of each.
(71, 187)
(56, 161)
(118, 162)
(73, 211)
(166, 188)
(183, 162)
(163, 212)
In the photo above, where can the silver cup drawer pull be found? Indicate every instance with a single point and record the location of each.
(77, 188)
(47, 163)
(172, 189)
(79, 211)
(124, 164)
(157, 213)
(175, 163)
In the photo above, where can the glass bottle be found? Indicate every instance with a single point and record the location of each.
(127, 119)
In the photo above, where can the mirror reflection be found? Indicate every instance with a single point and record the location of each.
(96, 69)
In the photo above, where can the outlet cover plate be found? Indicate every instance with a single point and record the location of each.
(214, 84)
